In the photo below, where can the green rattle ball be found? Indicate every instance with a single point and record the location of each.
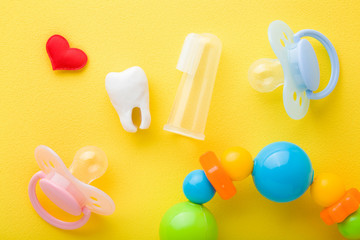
(188, 221)
(350, 228)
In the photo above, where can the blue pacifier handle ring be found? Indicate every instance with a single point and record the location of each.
(334, 60)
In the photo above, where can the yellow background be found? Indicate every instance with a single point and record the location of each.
(68, 110)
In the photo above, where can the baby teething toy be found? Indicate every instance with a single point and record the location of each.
(127, 90)
(69, 188)
(63, 57)
(296, 67)
(199, 60)
(281, 172)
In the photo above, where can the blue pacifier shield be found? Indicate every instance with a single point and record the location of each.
(287, 50)
(308, 65)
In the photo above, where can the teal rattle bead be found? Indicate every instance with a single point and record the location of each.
(197, 187)
(282, 172)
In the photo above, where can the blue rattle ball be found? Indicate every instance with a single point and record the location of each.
(197, 187)
(282, 172)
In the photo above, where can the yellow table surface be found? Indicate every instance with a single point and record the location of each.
(68, 110)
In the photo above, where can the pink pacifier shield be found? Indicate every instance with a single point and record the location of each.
(61, 197)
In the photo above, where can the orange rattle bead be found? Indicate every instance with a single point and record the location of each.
(338, 212)
(217, 175)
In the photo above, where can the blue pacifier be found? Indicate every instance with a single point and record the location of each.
(296, 67)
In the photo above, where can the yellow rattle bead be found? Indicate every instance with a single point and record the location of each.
(327, 189)
(237, 162)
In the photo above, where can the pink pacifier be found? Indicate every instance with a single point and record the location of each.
(69, 188)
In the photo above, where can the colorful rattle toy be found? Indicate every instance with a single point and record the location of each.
(69, 188)
(296, 67)
(282, 172)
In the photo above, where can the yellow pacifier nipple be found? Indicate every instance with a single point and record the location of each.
(266, 74)
(89, 164)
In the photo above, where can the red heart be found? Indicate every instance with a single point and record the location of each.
(63, 57)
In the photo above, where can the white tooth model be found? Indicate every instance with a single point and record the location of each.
(127, 90)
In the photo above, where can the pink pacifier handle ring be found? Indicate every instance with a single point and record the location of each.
(48, 217)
